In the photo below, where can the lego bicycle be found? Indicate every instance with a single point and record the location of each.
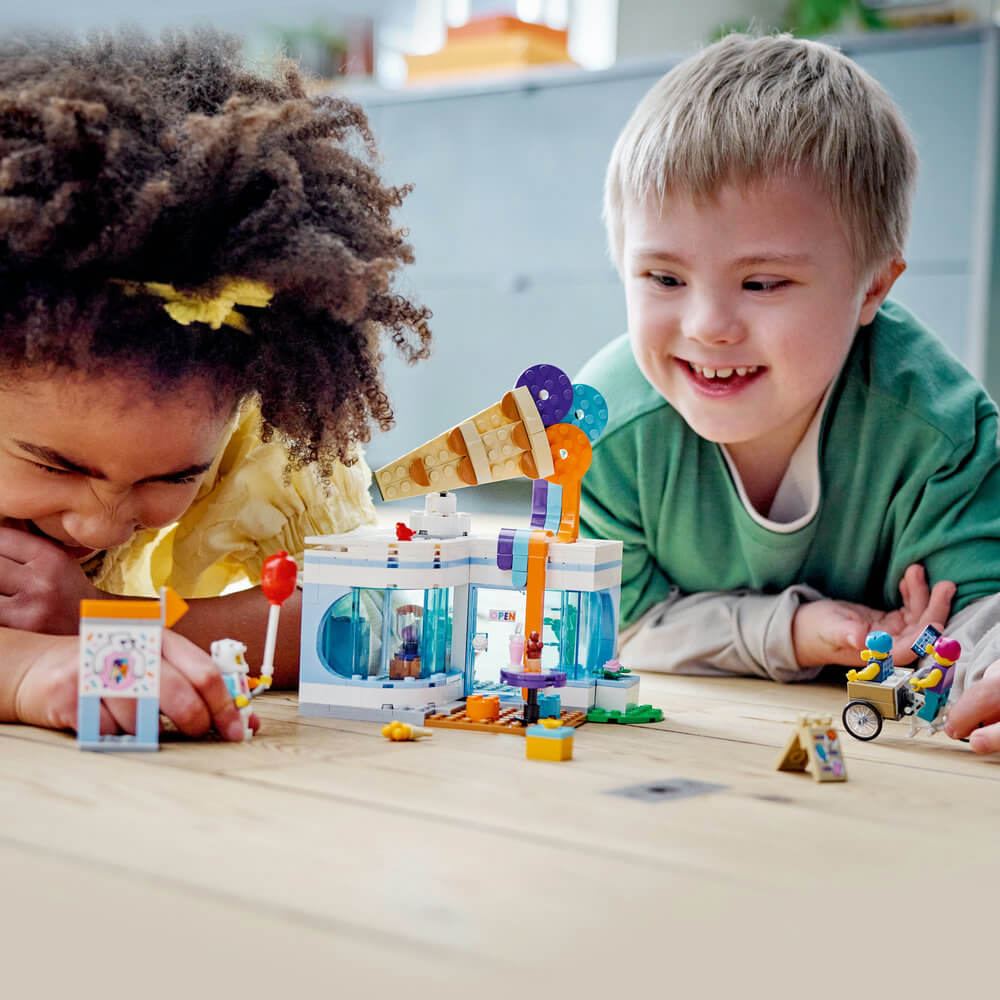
(871, 703)
(884, 691)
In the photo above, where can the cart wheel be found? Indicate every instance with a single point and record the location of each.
(862, 720)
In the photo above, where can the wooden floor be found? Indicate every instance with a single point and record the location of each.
(322, 860)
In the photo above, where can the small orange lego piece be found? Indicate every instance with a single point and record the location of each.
(173, 607)
(482, 708)
(147, 610)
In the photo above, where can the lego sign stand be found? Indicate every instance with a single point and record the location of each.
(120, 645)
(814, 747)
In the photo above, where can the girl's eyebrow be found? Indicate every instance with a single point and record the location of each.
(52, 457)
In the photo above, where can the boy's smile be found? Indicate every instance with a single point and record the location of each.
(86, 462)
(716, 382)
(742, 309)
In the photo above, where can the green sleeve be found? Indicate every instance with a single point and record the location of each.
(947, 517)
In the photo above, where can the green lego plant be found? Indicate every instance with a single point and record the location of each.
(317, 46)
(807, 18)
(819, 17)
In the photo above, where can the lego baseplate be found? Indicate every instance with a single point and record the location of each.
(507, 723)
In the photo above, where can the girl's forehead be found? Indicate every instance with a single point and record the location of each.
(118, 426)
(113, 394)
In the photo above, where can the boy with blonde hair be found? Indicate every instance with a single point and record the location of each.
(789, 453)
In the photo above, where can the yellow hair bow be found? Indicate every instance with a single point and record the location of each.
(196, 306)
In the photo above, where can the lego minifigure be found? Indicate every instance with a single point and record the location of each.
(877, 654)
(935, 682)
(406, 660)
(232, 664)
(533, 653)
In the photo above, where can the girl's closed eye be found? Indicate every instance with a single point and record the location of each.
(54, 470)
(180, 480)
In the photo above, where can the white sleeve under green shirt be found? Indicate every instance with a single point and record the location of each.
(901, 465)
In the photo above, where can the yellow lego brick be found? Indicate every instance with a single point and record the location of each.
(424, 471)
(544, 748)
(504, 447)
(497, 415)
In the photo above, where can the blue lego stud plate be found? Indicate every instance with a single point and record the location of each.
(589, 411)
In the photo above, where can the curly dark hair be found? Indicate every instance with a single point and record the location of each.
(125, 159)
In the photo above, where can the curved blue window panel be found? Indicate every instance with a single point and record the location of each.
(343, 640)
(600, 630)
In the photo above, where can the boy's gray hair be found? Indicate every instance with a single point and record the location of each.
(745, 108)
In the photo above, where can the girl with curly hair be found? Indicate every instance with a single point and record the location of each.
(196, 267)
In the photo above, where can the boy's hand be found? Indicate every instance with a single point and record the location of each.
(976, 714)
(834, 631)
(192, 693)
(41, 586)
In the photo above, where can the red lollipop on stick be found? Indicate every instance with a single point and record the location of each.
(277, 581)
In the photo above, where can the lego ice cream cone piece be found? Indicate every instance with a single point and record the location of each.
(400, 732)
(504, 441)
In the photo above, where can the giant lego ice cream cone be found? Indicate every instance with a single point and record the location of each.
(505, 441)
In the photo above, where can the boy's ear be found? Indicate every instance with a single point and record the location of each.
(882, 281)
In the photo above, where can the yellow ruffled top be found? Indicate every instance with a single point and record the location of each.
(243, 513)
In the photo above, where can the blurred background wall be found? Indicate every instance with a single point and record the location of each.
(503, 115)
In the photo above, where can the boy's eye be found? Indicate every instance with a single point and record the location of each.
(667, 280)
(764, 284)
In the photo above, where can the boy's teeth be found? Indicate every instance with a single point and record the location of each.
(721, 372)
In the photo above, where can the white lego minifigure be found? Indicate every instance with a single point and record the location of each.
(232, 664)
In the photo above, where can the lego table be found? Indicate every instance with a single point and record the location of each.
(321, 859)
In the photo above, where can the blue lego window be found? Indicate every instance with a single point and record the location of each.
(498, 613)
(343, 642)
(387, 634)
(597, 630)
(578, 632)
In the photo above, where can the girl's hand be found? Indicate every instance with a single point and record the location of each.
(834, 631)
(976, 714)
(41, 586)
(192, 693)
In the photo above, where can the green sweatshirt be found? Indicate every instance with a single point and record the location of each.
(909, 470)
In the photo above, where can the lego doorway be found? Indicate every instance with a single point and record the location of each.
(496, 634)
